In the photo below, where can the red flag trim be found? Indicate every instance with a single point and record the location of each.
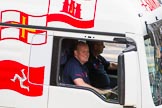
(67, 19)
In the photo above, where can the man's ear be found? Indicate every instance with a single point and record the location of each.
(75, 52)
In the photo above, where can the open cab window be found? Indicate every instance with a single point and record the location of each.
(110, 53)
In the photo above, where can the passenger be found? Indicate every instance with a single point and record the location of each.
(76, 72)
(99, 66)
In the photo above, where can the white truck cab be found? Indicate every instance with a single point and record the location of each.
(34, 36)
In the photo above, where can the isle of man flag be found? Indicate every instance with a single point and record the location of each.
(18, 77)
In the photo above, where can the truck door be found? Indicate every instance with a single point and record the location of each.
(64, 95)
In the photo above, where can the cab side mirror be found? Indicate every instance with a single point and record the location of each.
(128, 67)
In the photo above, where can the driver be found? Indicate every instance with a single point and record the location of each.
(99, 66)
